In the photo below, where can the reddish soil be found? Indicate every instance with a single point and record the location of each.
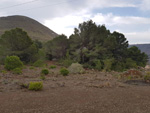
(92, 92)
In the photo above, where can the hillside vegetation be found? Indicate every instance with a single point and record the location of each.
(34, 29)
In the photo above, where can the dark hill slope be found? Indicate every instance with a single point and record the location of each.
(34, 29)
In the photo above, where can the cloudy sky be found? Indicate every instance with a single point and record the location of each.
(130, 17)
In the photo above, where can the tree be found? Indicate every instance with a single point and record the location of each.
(57, 48)
(136, 55)
(121, 46)
(91, 42)
(86, 38)
(38, 44)
(96, 47)
(17, 42)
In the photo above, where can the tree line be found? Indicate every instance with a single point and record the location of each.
(91, 45)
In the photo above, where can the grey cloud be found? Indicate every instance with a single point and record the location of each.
(43, 8)
(48, 9)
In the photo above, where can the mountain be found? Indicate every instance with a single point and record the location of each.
(34, 29)
(144, 48)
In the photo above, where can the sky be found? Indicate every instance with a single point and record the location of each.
(130, 17)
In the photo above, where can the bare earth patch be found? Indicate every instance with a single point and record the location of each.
(92, 92)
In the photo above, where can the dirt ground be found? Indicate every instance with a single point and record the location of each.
(92, 92)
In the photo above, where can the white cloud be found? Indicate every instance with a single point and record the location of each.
(110, 19)
(145, 5)
(138, 37)
(3, 14)
(109, 3)
(67, 24)
(2, 1)
(55, 8)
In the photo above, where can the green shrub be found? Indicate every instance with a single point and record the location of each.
(4, 71)
(42, 77)
(64, 71)
(31, 67)
(118, 66)
(45, 65)
(129, 77)
(17, 71)
(147, 77)
(52, 67)
(130, 63)
(44, 72)
(12, 62)
(98, 65)
(76, 68)
(24, 67)
(86, 65)
(66, 62)
(108, 64)
(35, 86)
(38, 63)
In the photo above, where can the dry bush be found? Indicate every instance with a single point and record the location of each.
(76, 68)
(132, 74)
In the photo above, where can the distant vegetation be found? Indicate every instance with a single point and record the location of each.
(91, 45)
